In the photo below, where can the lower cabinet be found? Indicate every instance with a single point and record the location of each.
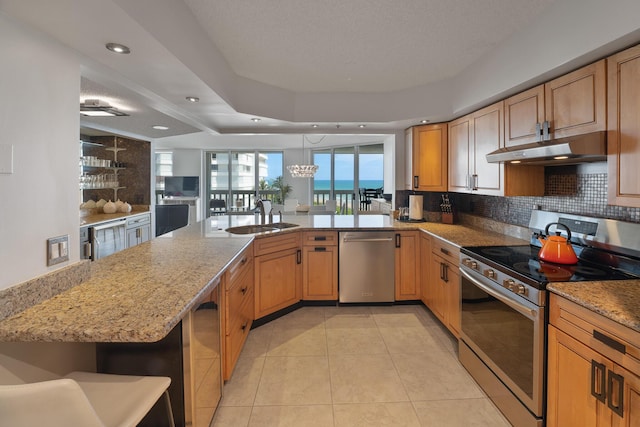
(238, 300)
(593, 369)
(138, 229)
(320, 265)
(407, 265)
(426, 287)
(278, 272)
(443, 291)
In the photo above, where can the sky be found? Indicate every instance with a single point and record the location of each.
(371, 166)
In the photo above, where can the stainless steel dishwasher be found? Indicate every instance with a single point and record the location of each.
(367, 266)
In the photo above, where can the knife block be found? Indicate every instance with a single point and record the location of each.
(447, 218)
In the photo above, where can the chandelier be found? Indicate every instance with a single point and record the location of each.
(302, 171)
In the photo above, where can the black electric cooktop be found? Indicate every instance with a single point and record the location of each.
(523, 260)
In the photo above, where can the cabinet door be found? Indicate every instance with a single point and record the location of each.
(630, 400)
(437, 288)
(426, 287)
(278, 278)
(576, 102)
(430, 157)
(452, 299)
(573, 370)
(487, 136)
(459, 154)
(408, 159)
(623, 139)
(522, 113)
(407, 266)
(320, 273)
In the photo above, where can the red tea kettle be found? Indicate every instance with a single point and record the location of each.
(556, 248)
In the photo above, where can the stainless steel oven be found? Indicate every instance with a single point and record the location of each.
(504, 333)
(504, 297)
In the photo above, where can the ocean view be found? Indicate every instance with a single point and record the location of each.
(346, 184)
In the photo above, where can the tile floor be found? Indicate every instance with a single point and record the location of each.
(353, 366)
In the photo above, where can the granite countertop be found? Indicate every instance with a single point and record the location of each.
(141, 293)
(91, 217)
(618, 300)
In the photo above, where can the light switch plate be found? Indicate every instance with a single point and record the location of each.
(6, 158)
(57, 250)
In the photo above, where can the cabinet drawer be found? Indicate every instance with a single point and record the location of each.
(237, 333)
(239, 293)
(320, 238)
(270, 244)
(447, 251)
(138, 220)
(243, 262)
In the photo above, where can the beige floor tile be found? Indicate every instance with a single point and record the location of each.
(298, 342)
(304, 317)
(445, 338)
(257, 343)
(394, 320)
(459, 413)
(355, 341)
(346, 310)
(398, 414)
(408, 340)
(365, 379)
(350, 321)
(292, 416)
(395, 309)
(232, 416)
(435, 375)
(300, 380)
(241, 389)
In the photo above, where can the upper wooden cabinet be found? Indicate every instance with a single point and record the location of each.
(569, 105)
(623, 138)
(474, 136)
(428, 157)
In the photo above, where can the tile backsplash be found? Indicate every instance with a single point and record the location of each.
(565, 191)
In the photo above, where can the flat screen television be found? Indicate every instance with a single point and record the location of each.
(181, 186)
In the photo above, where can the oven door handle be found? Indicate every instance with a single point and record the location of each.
(522, 309)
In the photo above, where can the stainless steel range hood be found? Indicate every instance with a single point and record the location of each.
(590, 147)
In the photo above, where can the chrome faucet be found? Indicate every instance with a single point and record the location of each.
(260, 205)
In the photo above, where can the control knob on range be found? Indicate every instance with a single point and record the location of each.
(517, 288)
(491, 274)
(470, 263)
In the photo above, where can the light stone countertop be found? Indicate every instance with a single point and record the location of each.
(140, 294)
(618, 300)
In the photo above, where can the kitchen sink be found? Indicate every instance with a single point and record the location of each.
(251, 229)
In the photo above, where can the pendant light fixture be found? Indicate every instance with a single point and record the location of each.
(302, 171)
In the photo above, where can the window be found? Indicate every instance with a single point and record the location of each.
(237, 177)
(164, 167)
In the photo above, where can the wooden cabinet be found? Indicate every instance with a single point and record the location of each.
(623, 138)
(407, 265)
(138, 229)
(426, 288)
(593, 366)
(444, 287)
(278, 272)
(572, 104)
(238, 301)
(474, 136)
(320, 265)
(429, 157)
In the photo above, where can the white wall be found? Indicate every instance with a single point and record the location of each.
(39, 95)
(187, 162)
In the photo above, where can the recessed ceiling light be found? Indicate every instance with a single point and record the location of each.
(424, 121)
(159, 127)
(362, 126)
(561, 157)
(193, 99)
(515, 162)
(118, 48)
(97, 108)
(255, 119)
(314, 126)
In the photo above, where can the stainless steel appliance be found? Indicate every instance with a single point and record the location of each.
(366, 266)
(108, 238)
(504, 298)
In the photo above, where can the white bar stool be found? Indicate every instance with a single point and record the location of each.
(83, 399)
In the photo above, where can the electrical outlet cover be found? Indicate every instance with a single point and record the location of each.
(57, 250)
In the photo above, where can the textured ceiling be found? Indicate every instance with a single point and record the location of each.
(358, 45)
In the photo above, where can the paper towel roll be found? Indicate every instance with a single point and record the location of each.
(415, 207)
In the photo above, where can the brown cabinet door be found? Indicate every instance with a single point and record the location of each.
(437, 288)
(426, 287)
(460, 156)
(430, 157)
(487, 136)
(278, 278)
(573, 371)
(576, 102)
(630, 399)
(407, 266)
(623, 139)
(320, 273)
(452, 298)
(522, 114)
